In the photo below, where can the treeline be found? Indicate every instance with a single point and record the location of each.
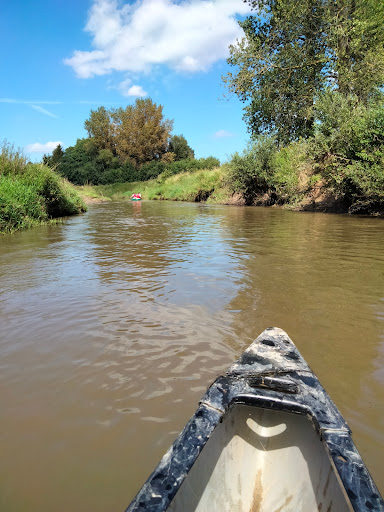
(311, 75)
(32, 194)
(131, 144)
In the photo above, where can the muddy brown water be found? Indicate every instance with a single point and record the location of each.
(114, 323)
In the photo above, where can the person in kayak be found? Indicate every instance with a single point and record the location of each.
(136, 196)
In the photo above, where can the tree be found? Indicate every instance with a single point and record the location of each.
(179, 146)
(279, 67)
(356, 46)
(294, 50)
(57, 155)
(101, 129)
(142, 132)
(78, 162)
(54, 160)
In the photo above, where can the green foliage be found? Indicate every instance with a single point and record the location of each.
(282, 174)
(355, 38)
(291, 175)
(54, 160)
(131, 144)
(179, 146)
(199, 185)
(32, 193)
(279, 66)
(100, 127)
(12, 160)
(292, 51)
(191, 186)
(141, 132)
(249, 173)
(348, 148)
(82, 163)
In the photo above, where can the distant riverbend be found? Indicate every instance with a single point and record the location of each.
(211, 187)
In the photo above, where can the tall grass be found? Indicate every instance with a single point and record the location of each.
(200, 185)
(31, 194)
(191, 186)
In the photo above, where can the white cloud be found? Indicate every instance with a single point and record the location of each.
(43, 110)
(127, 89)
(37, 147)
(222, 133)
(183, 35)
(136, 90)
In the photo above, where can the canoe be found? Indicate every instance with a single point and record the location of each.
(266, 437)
(136, 199)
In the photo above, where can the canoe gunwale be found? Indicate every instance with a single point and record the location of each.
(270, 374)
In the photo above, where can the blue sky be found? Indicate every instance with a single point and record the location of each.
(62, 58)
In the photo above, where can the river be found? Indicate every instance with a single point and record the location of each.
(114, 323)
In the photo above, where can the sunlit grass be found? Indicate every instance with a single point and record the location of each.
(32, 194)
(199, 185)
(90, 192)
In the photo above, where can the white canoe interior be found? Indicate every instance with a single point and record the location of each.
(260, 460)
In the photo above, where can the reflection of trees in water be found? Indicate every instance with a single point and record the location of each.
(166, 252)
(139, 237)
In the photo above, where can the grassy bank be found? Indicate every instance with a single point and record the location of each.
(201, 185)
(32, 194)
(264, 175)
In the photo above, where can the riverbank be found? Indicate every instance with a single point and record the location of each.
(32, 194)
(308, 193)
(197, 186)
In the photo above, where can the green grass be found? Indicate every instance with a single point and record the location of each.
(200, 185)
(191, 186)
(32, 194)
(90, 192)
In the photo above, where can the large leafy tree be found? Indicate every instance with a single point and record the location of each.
(292, 50)
(77, 164)
(278, 67)
(355, 37)
(141, 132)
(101, 129)
(178, 145)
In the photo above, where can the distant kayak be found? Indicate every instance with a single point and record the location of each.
(135, 198)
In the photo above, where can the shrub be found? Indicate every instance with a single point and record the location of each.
(32, 193)
(250, 173)
(289, 177)
(349, 148)
(12, 160)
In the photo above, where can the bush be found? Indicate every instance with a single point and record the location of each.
(150, 170)
(349, 148)
(12, 161)
(250, 173)
(32, 193)
(289, 177)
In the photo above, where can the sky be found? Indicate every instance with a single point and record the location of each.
(61, 58)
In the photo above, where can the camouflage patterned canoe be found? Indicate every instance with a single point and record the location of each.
(266, 437)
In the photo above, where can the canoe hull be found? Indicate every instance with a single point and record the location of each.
(266, 436)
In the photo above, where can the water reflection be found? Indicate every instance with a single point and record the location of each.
(114, 323)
